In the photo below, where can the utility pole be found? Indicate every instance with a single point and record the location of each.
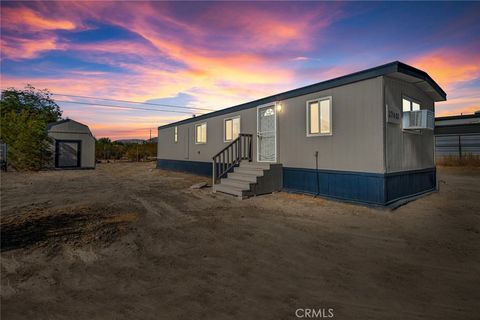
(150, 135)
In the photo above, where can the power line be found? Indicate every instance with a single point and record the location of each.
(122, 107)
(129, 101)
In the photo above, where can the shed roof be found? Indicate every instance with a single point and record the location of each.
(396, 69)
(51, 125)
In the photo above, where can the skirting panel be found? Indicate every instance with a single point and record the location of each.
(405, 184)
(345, 185)
(197, 167)
(371, 188)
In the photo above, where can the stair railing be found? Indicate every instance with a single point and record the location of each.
(230, 156)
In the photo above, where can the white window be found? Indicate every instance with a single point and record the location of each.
(410, 105)
(231, 128)
(175, 134)
(319, 117)
(201, 133)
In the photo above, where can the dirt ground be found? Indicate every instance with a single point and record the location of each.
(127, 241)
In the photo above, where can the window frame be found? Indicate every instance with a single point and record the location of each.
(175, 134)
(412, 101)
(307, 110)
(225, 127)
(196, 137)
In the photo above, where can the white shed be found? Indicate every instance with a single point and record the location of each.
(73, 145)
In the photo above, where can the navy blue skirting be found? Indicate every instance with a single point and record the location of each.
(371, 188)
(197, 167)
(364, 187)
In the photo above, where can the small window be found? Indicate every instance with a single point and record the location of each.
(410, 105)
(406, 105)
(319, 117)
(314, 118)
(201, 133)
(231, 128)
(175, 134)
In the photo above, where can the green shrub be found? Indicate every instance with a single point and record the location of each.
(24, 116)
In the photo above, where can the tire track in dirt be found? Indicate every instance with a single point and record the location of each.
(161, 209)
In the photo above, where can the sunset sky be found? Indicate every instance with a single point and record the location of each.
(214, 55)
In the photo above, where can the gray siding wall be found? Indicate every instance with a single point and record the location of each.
(187, 149)
(407, 150)
(357, 125)
(75, 131)
(356, 144)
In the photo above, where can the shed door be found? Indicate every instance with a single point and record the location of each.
(68, 154)
(266, 134)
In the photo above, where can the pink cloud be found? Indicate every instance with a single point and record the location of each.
(453, 69)
(79, 85)
(449, 67)
(15, 48)
(469, 109)
(461, 100)
(205, 67)
(264, 27)
(26, 20)
(26, 33)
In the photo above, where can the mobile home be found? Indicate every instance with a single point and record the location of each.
(364, 137)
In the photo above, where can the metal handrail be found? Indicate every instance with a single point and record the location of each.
(230, 156)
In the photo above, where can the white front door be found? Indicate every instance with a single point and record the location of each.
(266, 134)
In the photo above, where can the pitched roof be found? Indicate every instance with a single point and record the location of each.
(53, 124)
(422, 79)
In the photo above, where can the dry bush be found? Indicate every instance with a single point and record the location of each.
(468, 160)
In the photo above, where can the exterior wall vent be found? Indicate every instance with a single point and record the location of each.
(419, 119)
